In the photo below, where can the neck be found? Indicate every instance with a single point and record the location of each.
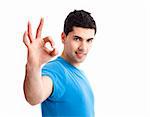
(65, 57)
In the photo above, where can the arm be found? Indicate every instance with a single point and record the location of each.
(36, 87)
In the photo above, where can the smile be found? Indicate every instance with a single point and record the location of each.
(80, 54)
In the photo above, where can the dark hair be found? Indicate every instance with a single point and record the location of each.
(79, 18)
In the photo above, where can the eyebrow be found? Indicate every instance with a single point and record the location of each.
(82, 38)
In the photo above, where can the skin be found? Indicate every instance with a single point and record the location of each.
(76, 47)
(77, 44)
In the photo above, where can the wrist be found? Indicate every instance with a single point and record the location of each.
(32, 67)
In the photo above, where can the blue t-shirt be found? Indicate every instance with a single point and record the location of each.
(72, 95)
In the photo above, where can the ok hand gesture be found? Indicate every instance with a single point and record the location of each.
(38, 53)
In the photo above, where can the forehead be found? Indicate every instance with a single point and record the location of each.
(83, 32)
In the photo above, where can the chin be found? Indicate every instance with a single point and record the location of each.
(80, 60)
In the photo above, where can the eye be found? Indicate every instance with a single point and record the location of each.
(89, 40)
(76, 38)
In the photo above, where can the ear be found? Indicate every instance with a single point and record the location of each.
(63, 37)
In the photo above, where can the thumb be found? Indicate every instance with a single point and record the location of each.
(54, 52)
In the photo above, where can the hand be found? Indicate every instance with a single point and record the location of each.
(38, 53)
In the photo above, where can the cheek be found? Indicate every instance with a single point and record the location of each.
(73, 46)
(89, 47)
(69, 47)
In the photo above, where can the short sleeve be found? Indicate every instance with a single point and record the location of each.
(54, 71)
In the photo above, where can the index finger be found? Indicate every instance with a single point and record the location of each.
(39, 29)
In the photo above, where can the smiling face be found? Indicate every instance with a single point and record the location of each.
(77, 44)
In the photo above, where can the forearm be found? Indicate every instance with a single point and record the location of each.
(36, 87)
(33, 86)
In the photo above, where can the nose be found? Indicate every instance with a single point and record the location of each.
(83, 46)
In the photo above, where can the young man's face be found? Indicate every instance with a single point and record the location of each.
(77, 44)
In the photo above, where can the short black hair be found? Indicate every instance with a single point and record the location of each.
(79, 18)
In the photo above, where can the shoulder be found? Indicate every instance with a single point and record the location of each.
(52, 64)
(55, 65)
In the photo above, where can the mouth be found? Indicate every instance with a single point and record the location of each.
(80, 54)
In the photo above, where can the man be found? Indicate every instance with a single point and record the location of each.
(60, 86)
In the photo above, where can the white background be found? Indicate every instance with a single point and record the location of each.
(118, 66)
